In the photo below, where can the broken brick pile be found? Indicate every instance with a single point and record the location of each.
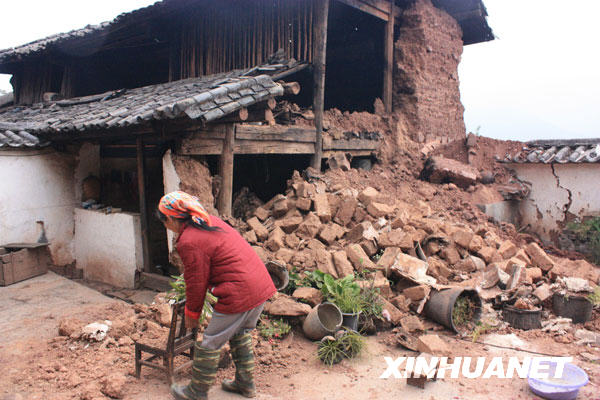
(321, 224)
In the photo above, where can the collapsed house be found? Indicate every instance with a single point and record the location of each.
(107, 118)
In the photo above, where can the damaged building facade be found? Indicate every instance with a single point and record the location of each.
(231, 92)
(561, 176)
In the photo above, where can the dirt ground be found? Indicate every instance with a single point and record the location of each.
(36, 363)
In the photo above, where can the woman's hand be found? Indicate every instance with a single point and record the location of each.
(190, 322)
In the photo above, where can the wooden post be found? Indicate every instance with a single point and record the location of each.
(388, 67)
(319, 65)
(226, 172)
(141, 173)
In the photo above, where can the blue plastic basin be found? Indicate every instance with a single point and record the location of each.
(565, 388)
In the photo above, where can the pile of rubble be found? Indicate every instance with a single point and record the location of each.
(403, 246)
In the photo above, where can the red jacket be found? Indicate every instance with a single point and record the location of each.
(223, 262)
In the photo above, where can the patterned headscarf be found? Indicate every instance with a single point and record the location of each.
(181, 205)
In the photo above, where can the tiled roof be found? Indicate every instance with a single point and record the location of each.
(206, 99)
(18, 138)
(557, 151)
(18, 52)
(471, 15)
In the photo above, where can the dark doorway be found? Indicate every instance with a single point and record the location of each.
(355, 59)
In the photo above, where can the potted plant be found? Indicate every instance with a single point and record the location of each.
(344, 293)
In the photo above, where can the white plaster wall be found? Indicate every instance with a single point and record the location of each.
(108, 247)
(38, 186)
(548, 202)
(172, 183)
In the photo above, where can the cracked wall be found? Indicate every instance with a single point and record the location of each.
(559, 193)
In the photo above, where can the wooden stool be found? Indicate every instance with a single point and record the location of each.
(177, 344)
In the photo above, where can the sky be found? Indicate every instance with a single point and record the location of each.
(540, 79)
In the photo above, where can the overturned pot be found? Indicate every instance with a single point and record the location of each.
(279, 274)
(324, 319)
(522, 319)
(578, 308)
(442, 303)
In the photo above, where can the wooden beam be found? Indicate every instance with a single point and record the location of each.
(280, 133)
(200, 146)
(319, 63)
(291, 88)
(352, 144)
(272, 147)
(226, 172)
(353, 153)
(388, 66)
(369, 7)
(141, 173)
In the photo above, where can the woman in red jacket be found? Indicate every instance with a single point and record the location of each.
(216, 258)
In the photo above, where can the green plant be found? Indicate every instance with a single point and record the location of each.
(370, 302)
(347, 344)
(480, 329)
(588, 231)
(594, 297)
(273, 328)
(177, 293)
(295, 281)
(330, 351)
(313, 279)
(352, 342)
(462, 313)
(344, 293)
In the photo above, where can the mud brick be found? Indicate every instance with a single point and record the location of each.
(261, 213)
(369, 247)
(284, 255)
(388, 258)
(368, 195)
(359, 258)
(395, 314)
(259, 229)
(507, 249)
(539, 258)
(402, 218)
(309, 227)
(321, 207)
(309, 295)
(292, 241)
(342, 264)
(378, 210)
(304, 203)
(416, 293)
(360, 214)
(462, 237)
(275, 241)
(391, 239)
(412, 323)
(250, 237)
(324, 262)
(362, 231)
(534, 274)
(346, 210)
(476, 244)
(290, 224)
(433, 344)
(304, 189)
(450, 254)
(280, 207)
(489, 254)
